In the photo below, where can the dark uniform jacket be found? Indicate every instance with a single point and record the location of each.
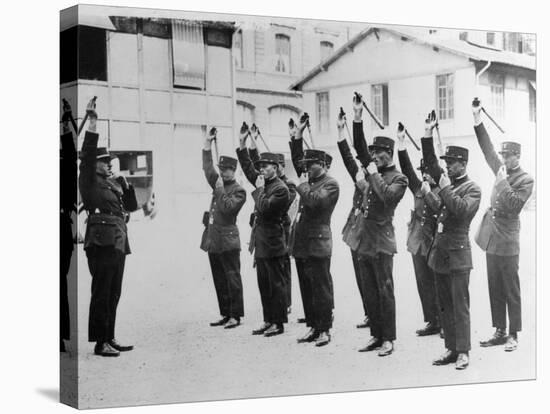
(106, 201)
(311, 235)
(499, 230)
(67, 188)
(247, 158)
(421, 229)
(271, 204)
(221, 233)
(381, 194)
(352, 228)
(451, 250)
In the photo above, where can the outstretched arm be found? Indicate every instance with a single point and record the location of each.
(321, 198)
(207, 163)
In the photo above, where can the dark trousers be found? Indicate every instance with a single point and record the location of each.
(106, 266)
(317, 291)
(272, 285)
(226, 272)
(504, 291)
(64, 322)
(454, 300)
(377, 274)
(425, 282)
(359, 280)
(66, 252)
(288, 278)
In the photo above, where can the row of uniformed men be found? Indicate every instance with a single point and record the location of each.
(445, 204)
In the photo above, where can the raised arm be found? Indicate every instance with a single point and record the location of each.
(428, 149)
(296, 145)
(392, 193)
(515, 198)
(323, 197)
(207, 162)
(345, 151)
(88, 161)
(270, 205)
(484, 140)
(461, 207)
(359, 141)
(229, 203)
(405, 162)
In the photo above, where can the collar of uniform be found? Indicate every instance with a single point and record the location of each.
(314, 180)
(514, 170)
(269, 181)
(386, 168)
(460, 180)
(282, 177)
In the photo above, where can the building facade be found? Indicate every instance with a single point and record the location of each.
(402, 77)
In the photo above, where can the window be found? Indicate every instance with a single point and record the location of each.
(245, 113)
(282, 53)
(432, 31)
(238, 50)
(380, 102)
(491, 38)
(322, 105)
(90, 65)
(445, 96)
(278, 122)
(496, 84)
(463, 36)
(188, 53)
(326, 50)
(532, 102)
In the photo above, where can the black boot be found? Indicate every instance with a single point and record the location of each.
(498, 338)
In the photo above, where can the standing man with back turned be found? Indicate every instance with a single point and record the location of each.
(107, 199)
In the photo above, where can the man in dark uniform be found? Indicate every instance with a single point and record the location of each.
(247, 159)
(311, 238)
(421, 231)
(383, 188)
(498, 234)
(221, 235)
(107, 200)
(450, 256)
(351, 232)
(268, 243)
(67, 204)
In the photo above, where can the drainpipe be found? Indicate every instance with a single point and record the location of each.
(482, 71)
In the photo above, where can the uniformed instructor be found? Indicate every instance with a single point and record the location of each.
(107, 198)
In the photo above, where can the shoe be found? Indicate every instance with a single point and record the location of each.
(120, 348)
(322, 339)
(310, 336)
(301, 320)
(498, 338)
(462, 361)
(430, 329)
(232, 323)
(261, 329)
(62, 347)
(442, 334)
(511, 343)
(289, 310)
(386, 349)
(373, 344)
(106, 350)
(274, 329)
(364, 324)
(221, 322)
(447, 358)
